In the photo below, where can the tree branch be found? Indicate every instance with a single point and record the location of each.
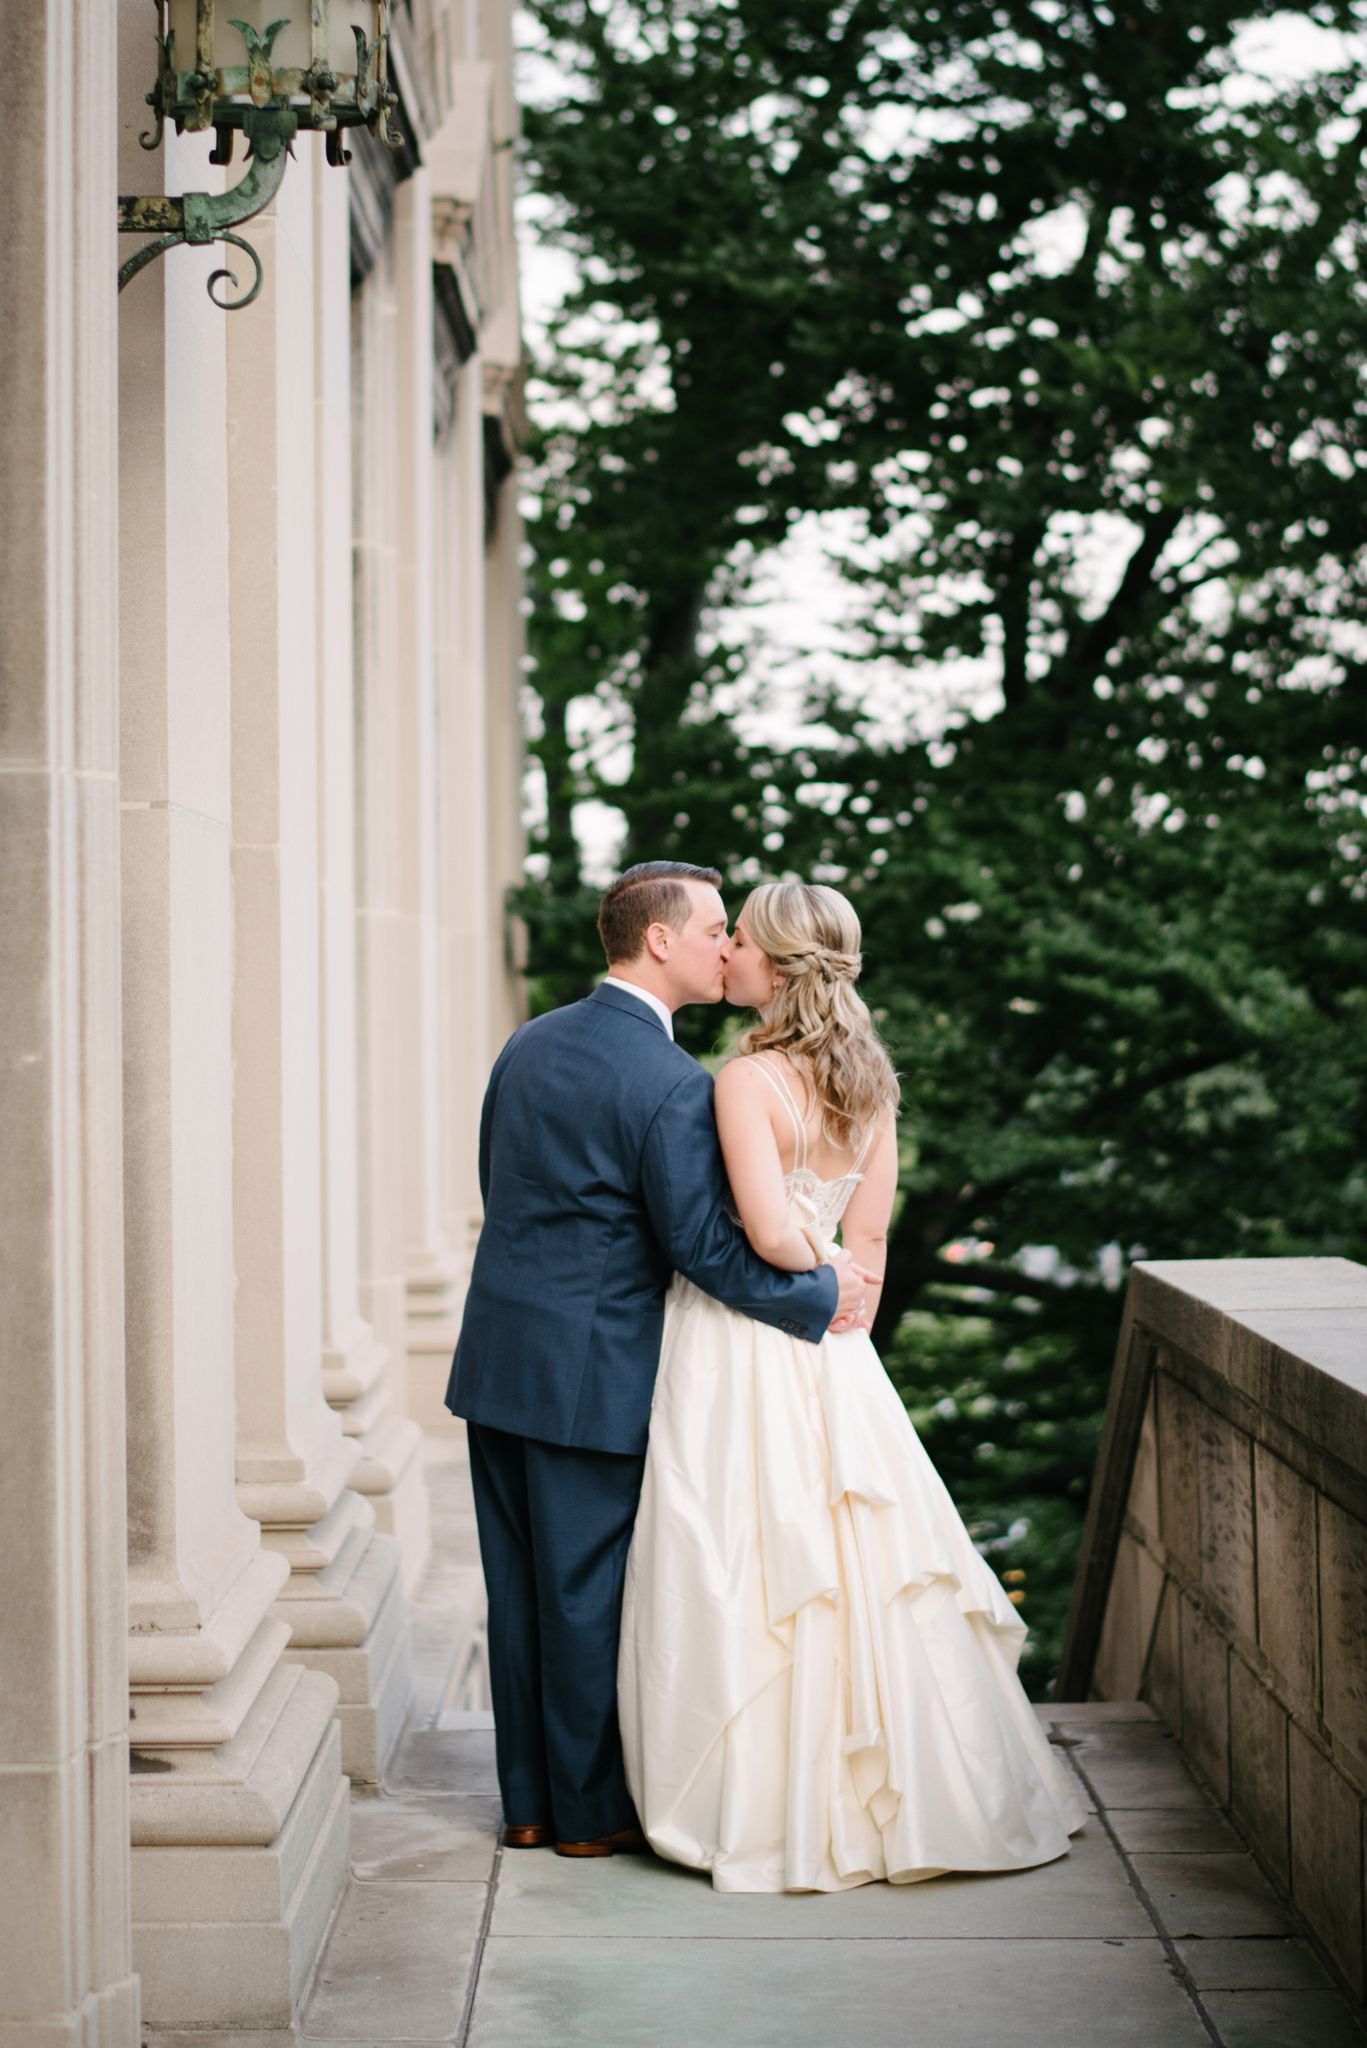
(998, 1278)
(1082, 660)
(1013, 609)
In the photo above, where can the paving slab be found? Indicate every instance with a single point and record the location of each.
(1283, 2019)
(1182, 1830)
(1255, 1963)
(1117, 1739)
(397, 1963)
(1085, 1892)
(799, 1994)
(1145, 1774)
(1211, 1895)
(457, 1761)
(424, 1838)
(1097, 1713)
(214, 2037)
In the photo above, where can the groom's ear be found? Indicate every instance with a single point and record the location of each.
(658, 940)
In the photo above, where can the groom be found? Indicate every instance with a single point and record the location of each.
(601, 1176)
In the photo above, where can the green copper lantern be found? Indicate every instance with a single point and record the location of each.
(253, 66)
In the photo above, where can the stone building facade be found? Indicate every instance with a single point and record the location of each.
(260, 658)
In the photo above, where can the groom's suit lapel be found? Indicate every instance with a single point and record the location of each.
(630, 1006)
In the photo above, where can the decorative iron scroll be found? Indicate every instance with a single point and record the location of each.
(198, 217)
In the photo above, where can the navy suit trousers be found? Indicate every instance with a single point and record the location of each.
(555, 1526)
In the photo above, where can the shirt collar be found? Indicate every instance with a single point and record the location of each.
(630, 988)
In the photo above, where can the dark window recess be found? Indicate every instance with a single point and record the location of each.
(453, 341)
(376, 174)
(498, 467)
(460, 337)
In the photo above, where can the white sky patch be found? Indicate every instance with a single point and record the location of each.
(799, 629)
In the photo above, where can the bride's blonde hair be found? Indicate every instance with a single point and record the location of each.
(812, 936)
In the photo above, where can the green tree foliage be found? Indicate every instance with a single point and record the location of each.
(1060, 307)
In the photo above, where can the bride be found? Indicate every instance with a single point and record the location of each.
(817, 1679)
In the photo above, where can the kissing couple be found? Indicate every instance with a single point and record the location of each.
(734, 1615)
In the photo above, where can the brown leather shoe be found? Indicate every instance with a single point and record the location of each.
(534, 1837)
(626, 1842)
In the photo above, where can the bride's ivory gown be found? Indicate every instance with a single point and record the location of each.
(817, 1682)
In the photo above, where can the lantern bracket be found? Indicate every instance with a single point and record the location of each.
(198, 217)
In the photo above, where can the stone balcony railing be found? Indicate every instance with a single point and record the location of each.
(1223, 1575)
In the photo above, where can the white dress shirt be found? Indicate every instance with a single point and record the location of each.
(614, 981)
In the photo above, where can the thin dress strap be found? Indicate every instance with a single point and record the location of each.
(866, 1147)
(778, 1081)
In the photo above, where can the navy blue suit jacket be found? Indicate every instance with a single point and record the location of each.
(602, 1176)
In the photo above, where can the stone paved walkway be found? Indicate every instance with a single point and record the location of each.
(1156, 1929)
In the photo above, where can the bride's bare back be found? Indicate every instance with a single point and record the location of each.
(770, 1128)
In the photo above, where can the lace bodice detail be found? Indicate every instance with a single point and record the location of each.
(829, 1198)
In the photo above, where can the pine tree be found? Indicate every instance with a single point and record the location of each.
(1062, 309)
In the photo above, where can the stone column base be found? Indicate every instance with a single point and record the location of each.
(359, 1639)
(434, 1298)
(390, 1476)
(429, 1355)
(239, 1857)
(107, 2019)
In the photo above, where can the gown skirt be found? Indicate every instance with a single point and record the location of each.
(818, 1681)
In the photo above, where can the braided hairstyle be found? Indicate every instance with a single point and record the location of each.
(811, 935)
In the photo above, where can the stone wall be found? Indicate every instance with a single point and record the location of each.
(66, 1968)
(1223, 1574)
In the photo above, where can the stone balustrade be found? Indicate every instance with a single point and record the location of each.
(1223, 1575)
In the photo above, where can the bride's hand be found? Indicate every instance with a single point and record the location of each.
(855, 1280)
(859, 1320)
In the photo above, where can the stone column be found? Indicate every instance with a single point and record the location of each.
(431, 1268)
(375, 568)
(239, 1807)
(479, 626)
(467, 1052)
(506, 641)
(65, 1957)
(356, 1363)
(342, 1598)
(506, 645)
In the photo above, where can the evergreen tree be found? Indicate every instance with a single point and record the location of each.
(1062, 308)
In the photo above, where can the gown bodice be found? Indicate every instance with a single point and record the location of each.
(829, 1198)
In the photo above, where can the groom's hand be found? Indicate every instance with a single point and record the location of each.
(854, 1282)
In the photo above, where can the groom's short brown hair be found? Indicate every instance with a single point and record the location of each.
(650, 893)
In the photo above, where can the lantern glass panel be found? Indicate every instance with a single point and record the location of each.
(292, 49)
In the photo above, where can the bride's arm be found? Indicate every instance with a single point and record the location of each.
(864, 1226)
(755, 1170)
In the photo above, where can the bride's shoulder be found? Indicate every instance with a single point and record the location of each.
(764, 1077)
(770, 1065)
(741, 1069)
(737, 1076)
